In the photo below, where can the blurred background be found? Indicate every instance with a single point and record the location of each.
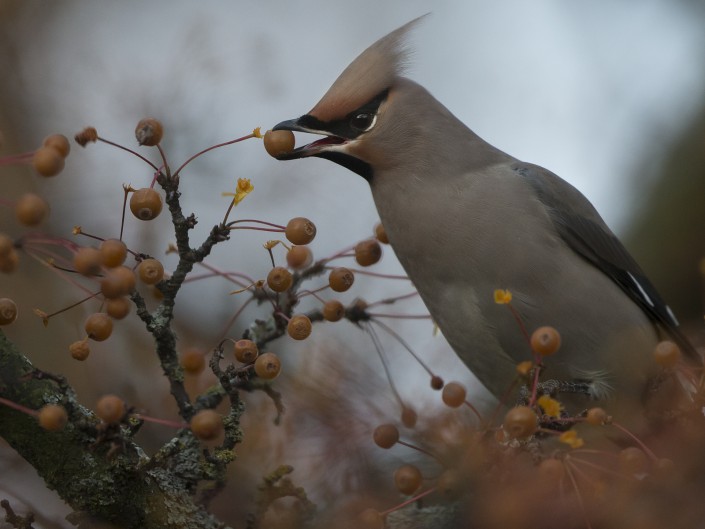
(608, 95)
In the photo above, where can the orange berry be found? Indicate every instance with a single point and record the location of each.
(80, 350)
(371, 519)
(99, 326)
(267, 366)
(207, 425)
(408, 416)
(114, 252)
(386, 435)
(633, 460)
(151, 271)
(300, 230)
(146, 203)
(117, 282)
(245, 351)
(278, 142)
(299, 327)
(454, 394)
(333, 310)
(667, 354)
(341, 279)
(7, 245)
(87, 261)
(664, 468)
(9, 262)
(597, 417)
(58, 142)
(299, 257)
(193, 361)
(368, 252)
(437, 382)
(545, 341)
(110, 409)
(381, 234)
(47, 161)
(8, 311)
(449, 483)
(118, 308)
(551, 470)
(407, 479)
(520, 422)
(52, 417)
(31, 209)
(279, 279)
(149, 132)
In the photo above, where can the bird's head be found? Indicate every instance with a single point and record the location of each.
(357, 109)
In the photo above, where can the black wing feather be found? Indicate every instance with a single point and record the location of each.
(582, 228)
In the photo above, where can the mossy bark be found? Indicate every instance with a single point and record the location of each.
(127, 489)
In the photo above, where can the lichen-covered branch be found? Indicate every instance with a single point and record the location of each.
(129, 489)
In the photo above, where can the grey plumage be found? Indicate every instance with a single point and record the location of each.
(465, 218)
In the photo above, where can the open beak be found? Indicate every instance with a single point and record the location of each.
(311, 149)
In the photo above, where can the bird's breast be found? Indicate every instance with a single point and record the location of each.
(461, 237)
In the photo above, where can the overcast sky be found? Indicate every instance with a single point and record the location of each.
(586, 90)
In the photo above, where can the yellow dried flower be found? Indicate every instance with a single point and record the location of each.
(271, 244)
(571, 439)
(244, 188)
(550, 406)
(502, 297)
(257, 132)
(524, 368)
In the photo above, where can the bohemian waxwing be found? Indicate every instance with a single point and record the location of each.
(465, 219)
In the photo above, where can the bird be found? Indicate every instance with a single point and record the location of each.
(465, 219)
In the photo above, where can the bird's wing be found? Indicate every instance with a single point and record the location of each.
(582, 228)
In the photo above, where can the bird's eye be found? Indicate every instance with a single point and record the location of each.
(363, 122)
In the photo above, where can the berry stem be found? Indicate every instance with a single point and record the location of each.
(569, 470)
(389, 301)
(164, 162)
(204, 151)
(18, 407)
(535, 385)
(163, 422)
(370, 273)
(227, 275)
(503, 401)
(12, 159)
(128, 150)
(234, 318)
(380, 353)
(80, 231)
(282, 228)
(76, 304)
(638, 441)
(519, 321)
(406, 346)
(409, 501)
(600, 468)
(272, 230)
(419, 449)
(400, 316)
(303, 293)
(475, 411)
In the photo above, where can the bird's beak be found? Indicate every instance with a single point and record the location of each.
(311, 149)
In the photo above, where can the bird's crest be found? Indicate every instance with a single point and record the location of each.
(373, 71)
